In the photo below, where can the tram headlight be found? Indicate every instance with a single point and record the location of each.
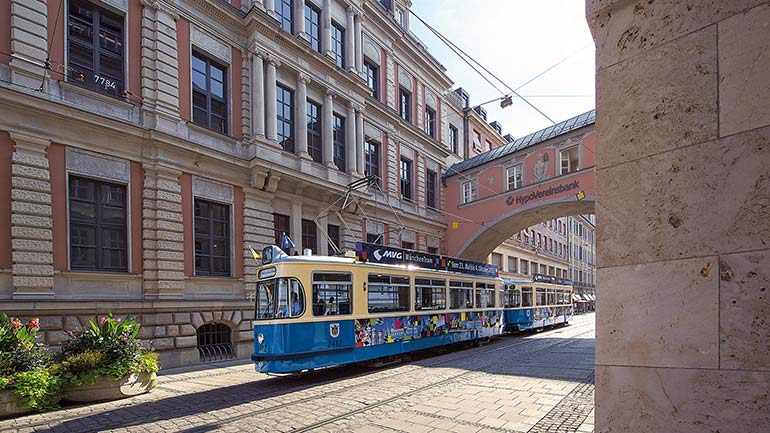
(260, 338)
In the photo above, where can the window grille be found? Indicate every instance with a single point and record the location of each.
(214, 342)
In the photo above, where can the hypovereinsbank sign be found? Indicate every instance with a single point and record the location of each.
(523, 199)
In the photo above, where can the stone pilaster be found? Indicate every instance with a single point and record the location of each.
(359, 18)
(326, 29)
(390, 79)
(160, 82)
(350, 139)
(419, 178)
(300, 110)
(360, 141)
(299, 20)
(163, 234)
(29, 42)
(326, 130)
(31, 223)
(271, 104)
(246, 91)
(257, 230)
(257, 94)
(350, 42)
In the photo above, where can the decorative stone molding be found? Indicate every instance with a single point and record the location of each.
(405, 78)
(207, 43)
(89, 163)
(210, 189)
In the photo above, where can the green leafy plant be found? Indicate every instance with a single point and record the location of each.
(109, 348)
(39, 389)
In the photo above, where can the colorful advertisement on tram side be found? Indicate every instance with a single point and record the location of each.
(384, 330)
(545, 316)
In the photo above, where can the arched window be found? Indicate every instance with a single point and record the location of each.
(214, 342)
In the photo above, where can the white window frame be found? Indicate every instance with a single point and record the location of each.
(469, 191)
(565, 152)
(516, 169)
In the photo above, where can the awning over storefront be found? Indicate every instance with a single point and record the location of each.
(575, 297)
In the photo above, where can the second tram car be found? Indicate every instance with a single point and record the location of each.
(537, 303)
(317, 311)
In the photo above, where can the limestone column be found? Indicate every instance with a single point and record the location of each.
(350, 140)
(300, 113)
(327, 128)
(350, 42)
(296, 225)
(271, 105)
(270, 7)
(163, 242)
(326, 25)
(360, 141)
(359, 18)
(257, 94)
(31, 222)
(299, 19)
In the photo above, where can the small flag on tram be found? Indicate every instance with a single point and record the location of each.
(255, 254)
(286, 242)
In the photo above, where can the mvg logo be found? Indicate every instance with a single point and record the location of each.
(388, 254)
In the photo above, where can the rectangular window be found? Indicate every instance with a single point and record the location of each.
(285, 113)
(372, 79)
(489, 145)
(524, 267)
(460, 295)
(431, 188)
(388, 293)
(284, 13)
(512, 262)
(95, 48)
(569, 160)
(334, 237)
(432, 250)
(312, 26)
(314, 130)
(469, 191)
(374, 238)
(550, 297)
(98, 226)
(407, 245)
(332, 293)
(515, 177)
(282, 225)
(430, 121)
(212, 238)
(540, 296)
(209, 104)
(339, 141)
(309, 235)
(453, 139)
(526, 297)
(405, 104)
(485, 295)
(338, 44)
(476, 141)
(511, 297)
(372, 160)
(497, 260)
(429, 294)
(406, 178)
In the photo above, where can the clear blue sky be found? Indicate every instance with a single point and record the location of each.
(516, 40)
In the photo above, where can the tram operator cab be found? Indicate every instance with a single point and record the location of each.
(317, 311)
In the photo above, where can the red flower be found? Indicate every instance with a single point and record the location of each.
(16, 324)
(103, 320)
(34, 324)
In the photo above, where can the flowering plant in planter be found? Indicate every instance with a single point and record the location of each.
(25, 368)
(107, 348)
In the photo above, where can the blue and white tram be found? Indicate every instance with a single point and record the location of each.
(537, 303)
(317, 311)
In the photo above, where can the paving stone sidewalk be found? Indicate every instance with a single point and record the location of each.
(540, 382)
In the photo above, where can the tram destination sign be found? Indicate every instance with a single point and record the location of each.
(542, 278)
(374, 253)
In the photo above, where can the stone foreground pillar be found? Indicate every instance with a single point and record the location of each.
(257, 94)
(683, 204)
(271, 104)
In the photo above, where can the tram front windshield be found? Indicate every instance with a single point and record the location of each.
(279, 298)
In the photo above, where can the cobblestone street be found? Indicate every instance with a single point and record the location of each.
(534, 382)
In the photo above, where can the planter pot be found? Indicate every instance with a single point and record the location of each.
(109, 389)
(9, 406)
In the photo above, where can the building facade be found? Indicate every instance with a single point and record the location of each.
(146, 145)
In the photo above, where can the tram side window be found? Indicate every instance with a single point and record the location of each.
(540, 296)
(280, 298)
(512, 297)
(460, 294)
(551, 297)
(485, 295)
(388, 293)
(429, 294)
(526, 296)
(332, 293)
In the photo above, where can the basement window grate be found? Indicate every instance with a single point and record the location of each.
(214, 342)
